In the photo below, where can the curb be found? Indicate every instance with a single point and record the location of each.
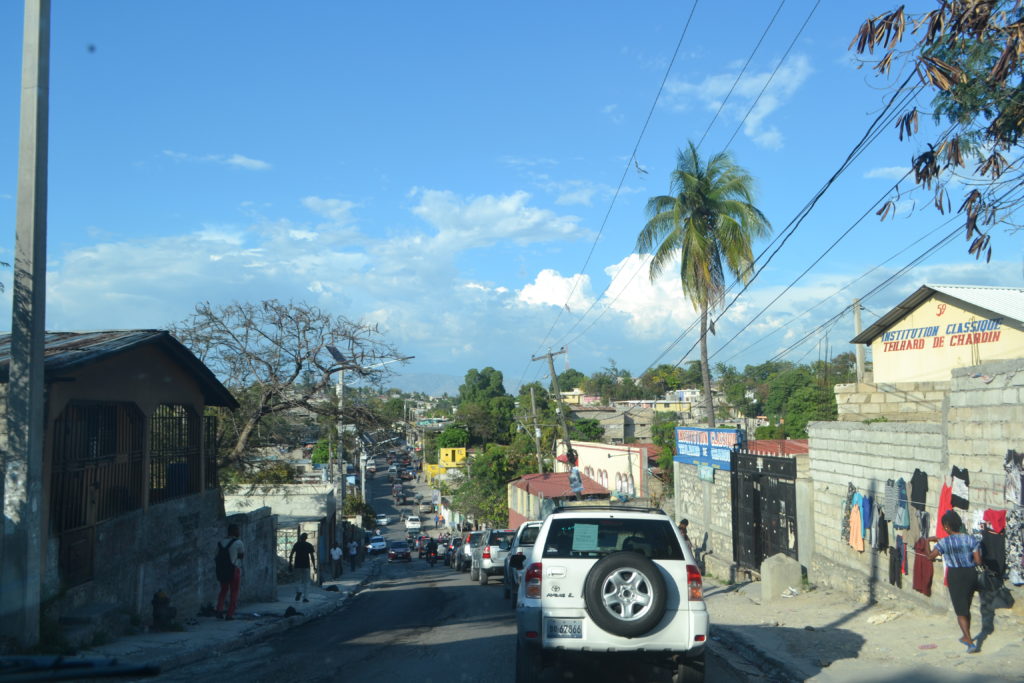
(260, 632)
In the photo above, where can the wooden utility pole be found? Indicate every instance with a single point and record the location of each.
(570, 454)
(22, 487)
(536, 432)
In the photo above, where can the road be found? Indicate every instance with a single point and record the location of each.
(415, 622)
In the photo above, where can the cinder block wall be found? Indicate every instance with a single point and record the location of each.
(900, 402)
(982, 418)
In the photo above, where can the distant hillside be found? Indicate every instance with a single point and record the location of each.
(430, 384)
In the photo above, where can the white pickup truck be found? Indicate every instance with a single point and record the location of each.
(413, 524)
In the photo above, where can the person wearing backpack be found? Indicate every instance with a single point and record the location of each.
(228, 563)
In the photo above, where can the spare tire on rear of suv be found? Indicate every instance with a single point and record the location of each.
(625, 594)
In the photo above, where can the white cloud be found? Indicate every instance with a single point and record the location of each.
(713, 90)
(650, 306)
(306, 235)
(549, 288)
(527, 163)
(888, 172)
(337, 210)
(237, 160)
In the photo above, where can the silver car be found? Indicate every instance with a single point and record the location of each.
(489, 556)
(463, 556)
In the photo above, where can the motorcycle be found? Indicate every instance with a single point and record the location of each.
(431, 557)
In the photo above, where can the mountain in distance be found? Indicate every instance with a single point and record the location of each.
(426, 383)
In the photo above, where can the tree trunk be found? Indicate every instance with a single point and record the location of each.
(705, 373)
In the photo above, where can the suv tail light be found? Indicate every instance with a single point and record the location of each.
(694, 582)
(532, 580)
(487, 552)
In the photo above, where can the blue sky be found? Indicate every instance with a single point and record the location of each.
(460, 173)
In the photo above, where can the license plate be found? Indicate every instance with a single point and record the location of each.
(564, 628)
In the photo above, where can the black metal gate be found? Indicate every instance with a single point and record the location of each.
(763, 507)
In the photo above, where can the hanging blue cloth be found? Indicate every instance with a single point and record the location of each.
(902, 518)
(866, 505)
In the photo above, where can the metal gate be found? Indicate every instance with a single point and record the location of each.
(763, 507)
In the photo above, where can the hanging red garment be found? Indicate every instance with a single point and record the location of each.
(945, 503)
(996, 520)
(923, 569)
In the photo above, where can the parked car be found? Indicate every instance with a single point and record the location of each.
(627, 586)
(413, 523)
(488, 558)
(426, 508)
(371, 466)
(521, 543)
(399, 550)
(376, 545)
(463, 558)
(382, 519)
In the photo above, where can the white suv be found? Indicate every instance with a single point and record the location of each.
(610, 579)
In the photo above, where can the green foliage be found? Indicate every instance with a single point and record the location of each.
(452, 437)
(321, 452)
(807, 404)
(483, 490)
(263, 475)
(480, 386)
(770, 432)
(586, 430)
(569, 380)
(354, 505)
(663, 435)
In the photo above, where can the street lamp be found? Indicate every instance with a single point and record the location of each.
(343, 363)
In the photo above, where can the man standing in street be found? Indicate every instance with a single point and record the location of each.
(230, 551)
(353, 554)
(336, 557)
(303, 556)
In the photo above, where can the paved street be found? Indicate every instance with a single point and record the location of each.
(413, 622)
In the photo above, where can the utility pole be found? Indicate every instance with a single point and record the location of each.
(21, 490)
(858, 348)
(570, 454)
(536, 432)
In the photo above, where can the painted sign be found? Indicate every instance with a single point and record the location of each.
(937, 336)
(705, 446)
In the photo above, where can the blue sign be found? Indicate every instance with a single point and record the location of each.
(706, 446)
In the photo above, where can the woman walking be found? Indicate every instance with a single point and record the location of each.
(961, 552)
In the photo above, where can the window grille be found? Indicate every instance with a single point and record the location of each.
(174, 453)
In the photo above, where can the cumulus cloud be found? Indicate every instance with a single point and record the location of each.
(336, 210)
(713, 89)
(550, 288)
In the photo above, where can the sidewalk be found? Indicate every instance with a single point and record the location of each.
(826, 635)
(206, 636)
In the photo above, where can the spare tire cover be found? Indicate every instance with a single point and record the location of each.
(625, 594)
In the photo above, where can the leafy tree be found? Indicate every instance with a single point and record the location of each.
(355, 505)
(781, 387)
(479, 386)
(452, 437)
(691, 377)
(708, 223)
(483, 489)
(586, 430)
(806, 404)
(265, 476)
(968, 57)
(274, 356)
(321, 452)
(663, 435)
(571, 379)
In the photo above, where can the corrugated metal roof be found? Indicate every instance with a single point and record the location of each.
(65, 351)
(1006, 302)
(556, 485)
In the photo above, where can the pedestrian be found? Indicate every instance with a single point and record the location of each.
(353, 554)
(303, 558)
(961, 553)
(336, 557)
(684, 525)
(230, 551)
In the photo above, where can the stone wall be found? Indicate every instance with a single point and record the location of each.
(900, 402)
(708, 507)
(169, 547)
(982, 417)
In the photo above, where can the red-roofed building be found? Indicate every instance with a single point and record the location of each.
(526, 494)
(778, 446)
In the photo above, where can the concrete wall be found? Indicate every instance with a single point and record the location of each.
(708, 507)
(982, 418)
(169, 547)
(292, 500)
(900, 402)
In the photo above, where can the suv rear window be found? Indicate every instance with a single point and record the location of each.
(529, 535)
(596, 537)
(499, 537)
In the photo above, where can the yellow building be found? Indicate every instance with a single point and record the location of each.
(941, 327)
(452, 457)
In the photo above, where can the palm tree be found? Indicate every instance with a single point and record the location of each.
(709, 222)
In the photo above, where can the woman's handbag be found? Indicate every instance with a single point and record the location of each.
(993, 592)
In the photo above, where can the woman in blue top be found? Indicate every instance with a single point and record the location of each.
(961, 552)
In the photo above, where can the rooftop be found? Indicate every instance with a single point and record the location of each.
(556, 485)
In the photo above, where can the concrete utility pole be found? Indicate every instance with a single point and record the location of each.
(570, 454)
(536, 432)
(858, 348)
(22, 491)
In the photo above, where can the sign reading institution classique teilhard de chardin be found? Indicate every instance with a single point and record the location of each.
(942, 334)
